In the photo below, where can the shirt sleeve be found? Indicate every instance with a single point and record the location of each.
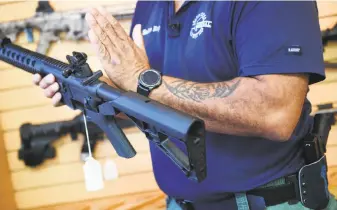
(136, 19)
(279, 38)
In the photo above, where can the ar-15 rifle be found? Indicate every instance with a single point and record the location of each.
(50, 24)
(36, 140)
(81, 89)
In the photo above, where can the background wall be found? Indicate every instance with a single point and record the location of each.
(58, 183)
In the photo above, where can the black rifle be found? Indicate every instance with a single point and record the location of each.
(36, 140)
(82, 90)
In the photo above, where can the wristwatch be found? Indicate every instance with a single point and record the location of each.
(148, 80)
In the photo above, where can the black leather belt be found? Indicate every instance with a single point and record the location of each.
(273, 195)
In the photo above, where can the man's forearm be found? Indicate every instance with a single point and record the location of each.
(238, 107)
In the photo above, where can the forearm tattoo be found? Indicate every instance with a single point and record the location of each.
(199, 92)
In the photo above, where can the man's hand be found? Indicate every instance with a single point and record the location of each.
(51, 87)
(122, 58)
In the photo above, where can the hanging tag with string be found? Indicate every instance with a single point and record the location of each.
(93, 175)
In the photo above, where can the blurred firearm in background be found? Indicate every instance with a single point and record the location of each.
(51, 24)
(36, 140)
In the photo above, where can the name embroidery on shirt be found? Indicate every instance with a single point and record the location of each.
(199, 23)
(294, 50)
(150, 30)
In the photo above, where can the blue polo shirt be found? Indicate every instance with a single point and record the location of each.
(212, 41)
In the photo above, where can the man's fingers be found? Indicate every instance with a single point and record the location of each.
(36, 79)
(94, 24)
(92, 37)
(56, 99)
(116, 28)
(99, 47)
(51, 90)
(47, 80)
(102, 50)
(98, 35)
(107, 15)
(106, 25)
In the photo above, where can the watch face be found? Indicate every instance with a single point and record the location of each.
(150, 78)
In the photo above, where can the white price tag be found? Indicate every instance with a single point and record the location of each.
(93, 176)
(110, 170)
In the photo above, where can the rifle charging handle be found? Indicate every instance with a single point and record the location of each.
(66, 73)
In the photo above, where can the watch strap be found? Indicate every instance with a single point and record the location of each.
(143, 90)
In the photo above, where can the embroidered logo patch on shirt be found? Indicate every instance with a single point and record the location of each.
(199, 23)
(150, 30)
(294, 50)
